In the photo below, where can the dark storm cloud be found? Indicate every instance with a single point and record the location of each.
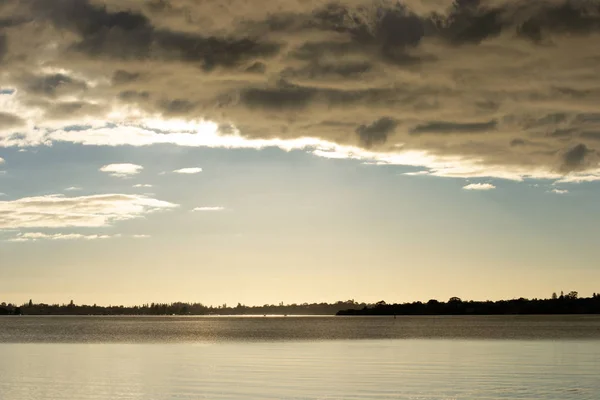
(284, 97)
(469, 23)
(595, 135)
(575, 157)
(130, 35)
(49, 85)
(377, 132)
(121, 77)
(451, 127)
(3, 47)
(10, 121)
(512, 84)
(572, 17)
(132, 95)
(177, 106)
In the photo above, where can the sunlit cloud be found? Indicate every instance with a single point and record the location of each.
(417, 173)
(142, 185)
(479, 186)
(194, 170)
(592, 176)
(58, 211)
(73, 189)
(560, 191)
(39, 236)
(198, 209)
(34, 236)
(122, 170)
(145, 132)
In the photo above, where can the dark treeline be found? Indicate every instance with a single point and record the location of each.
(178, 308)
(563, 304)
(558, 304)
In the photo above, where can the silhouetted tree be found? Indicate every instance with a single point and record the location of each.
(554, 296)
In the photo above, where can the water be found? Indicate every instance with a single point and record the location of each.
(422, 358)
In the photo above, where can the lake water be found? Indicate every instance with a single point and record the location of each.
(442, 358)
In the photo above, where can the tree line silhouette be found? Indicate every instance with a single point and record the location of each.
(569, 303)
(178, 308)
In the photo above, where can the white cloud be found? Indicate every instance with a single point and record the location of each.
(2, 194)
(122, 170)
(73, 189)
(142, 185)
(57, 211)
(417, 173)
(193, 170)
(560, 191)
(580, 178)
(2, 160)
(479, 186)
(208, 209)
(33, 236)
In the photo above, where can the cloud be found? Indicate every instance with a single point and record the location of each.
(2, 194)
(34, 236)
(452, 127)
(208, 209)
(476, 88)
(2, 160)
(417, 173)
(142, 185)
(479, 186)
(10, 121)
(377, 132)
(575, 157)
(122, 170)
(73, 189)
(59, 211)
(579, 178)
(194, 170)
(560, 191)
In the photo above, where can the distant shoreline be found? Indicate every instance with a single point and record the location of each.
(569, 304)
(337, 315)
(556, 305)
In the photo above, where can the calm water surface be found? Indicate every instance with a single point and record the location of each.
(300, 358)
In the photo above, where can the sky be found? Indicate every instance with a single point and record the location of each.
(301, 151)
